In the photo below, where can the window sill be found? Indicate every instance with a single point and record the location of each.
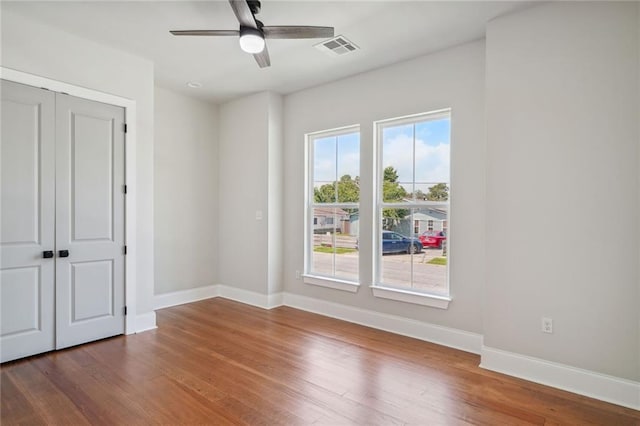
(441, 302)
(336, 284)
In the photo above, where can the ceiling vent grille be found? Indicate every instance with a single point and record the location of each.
(337, 46)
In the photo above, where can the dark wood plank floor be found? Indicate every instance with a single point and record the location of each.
(221, 362)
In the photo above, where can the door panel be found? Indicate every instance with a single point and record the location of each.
(89, 220)
(92, 290)
(21, 313)
(27, 198)
(21, 149)
(92, 177)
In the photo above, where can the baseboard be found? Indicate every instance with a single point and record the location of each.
(451, 337)
(264, 301)
(181, 297)
(584, 382)
(146, 322)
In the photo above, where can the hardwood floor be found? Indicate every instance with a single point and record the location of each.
(221, 362)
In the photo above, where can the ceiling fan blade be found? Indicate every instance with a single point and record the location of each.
(297, 31)
(262, 58)
(243, 13)
(205, 32)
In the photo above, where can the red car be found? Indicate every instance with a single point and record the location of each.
(433, 239)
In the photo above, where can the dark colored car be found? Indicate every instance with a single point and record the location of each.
(433, 239)
(392, 242)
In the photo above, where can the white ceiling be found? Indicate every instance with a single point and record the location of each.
(386, 31)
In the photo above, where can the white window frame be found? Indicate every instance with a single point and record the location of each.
(308, 277)
(378, 288)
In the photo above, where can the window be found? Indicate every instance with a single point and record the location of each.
(333, 203)
(413, 204)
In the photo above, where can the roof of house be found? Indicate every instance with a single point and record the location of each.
(329, 211)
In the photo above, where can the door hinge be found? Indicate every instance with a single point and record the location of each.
(125, 310)
(125, 250)
(125, 127)
(124, 188)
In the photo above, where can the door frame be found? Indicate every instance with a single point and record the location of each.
(129, 106)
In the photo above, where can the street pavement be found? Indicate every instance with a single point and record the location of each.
(397, 269)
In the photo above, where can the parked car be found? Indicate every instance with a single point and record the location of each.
(433, 239)
(392, 242)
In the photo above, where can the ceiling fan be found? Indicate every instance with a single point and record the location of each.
(253, 33)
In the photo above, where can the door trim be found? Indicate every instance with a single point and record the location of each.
(130, 170)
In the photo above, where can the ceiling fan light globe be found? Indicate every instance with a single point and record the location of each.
(251, 41)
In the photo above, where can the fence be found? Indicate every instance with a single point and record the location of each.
(327, 240)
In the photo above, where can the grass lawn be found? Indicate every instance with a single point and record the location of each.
(438, 261)
(338, 250)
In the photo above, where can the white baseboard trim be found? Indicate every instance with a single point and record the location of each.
(181, 297)
(145, 322)
(264, 301)
(584, 382)
(451, 337)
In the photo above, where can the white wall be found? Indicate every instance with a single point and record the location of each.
(562, 185)
(185, 192)
(275, 176)
(249, 182)
(35, 48)
(452, 78)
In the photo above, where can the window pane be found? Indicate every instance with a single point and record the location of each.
(415, 262)
(346, 249)
(397, 163)
(348, 162)
(398, 248)
(324, 170)
(432, 151)
(335, 242)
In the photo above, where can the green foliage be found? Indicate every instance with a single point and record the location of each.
(419, 195)
(438, 261)
(392, 191)
(337, 250)
(390, 174)
(439, 192)
(346, 189)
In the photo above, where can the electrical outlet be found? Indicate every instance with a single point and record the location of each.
(298, 275)
(547, 325)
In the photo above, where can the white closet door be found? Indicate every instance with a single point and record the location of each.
(27, 176)
(89, 220)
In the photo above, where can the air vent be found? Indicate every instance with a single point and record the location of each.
(337, 46)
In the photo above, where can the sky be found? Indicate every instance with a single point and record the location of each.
(347, 154)
(432, 154)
